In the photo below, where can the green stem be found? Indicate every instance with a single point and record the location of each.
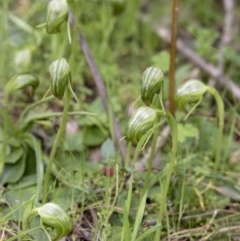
(220, 107)
(128, 154)
(150, 161)
(30, 107)
(5, 134)
(56, 143)
(4, 40)
(72, 59)
(173, 126)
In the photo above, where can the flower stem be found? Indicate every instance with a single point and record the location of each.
(173, 126)
(56, 143)
(220, 107)
(152, 153)
(5, 134)
(128, 154)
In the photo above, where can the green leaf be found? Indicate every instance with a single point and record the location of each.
(186, 131)
(93, 136)
(126, 232)
(74, 142)
(14, 142)
(148, 232)
(17, 199)
(97, 108)
(161, 60)
(27, 211)
(139, 216)
(14, 156)
(1, 133)
(13, 172)
(32, 142)
(107, 149)
(8, 149)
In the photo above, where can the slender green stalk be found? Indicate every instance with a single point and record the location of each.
(173, 126)
(5, 134)
(150, 161)
(110, 112)
(30, 107)
(56, 143)
(229, 140)
(4, 40)
(128, 154)
(220, 107)
(143, 198)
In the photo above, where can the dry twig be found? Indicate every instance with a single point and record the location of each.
(226, 37)
(100, 87)
(213, 71)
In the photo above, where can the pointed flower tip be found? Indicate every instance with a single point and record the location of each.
(152, 82)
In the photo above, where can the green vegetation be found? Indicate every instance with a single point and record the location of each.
(89, 148)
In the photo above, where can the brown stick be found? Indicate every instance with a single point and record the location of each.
(226, 37)
(172, 59)
(100, 87)
(213, 71)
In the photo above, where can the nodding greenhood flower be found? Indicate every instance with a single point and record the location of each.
(118, 6)
(51, 215)
(21, 81)
(152, 83)
(57, 13)
(190, 94)
(60, 77)
(142, 121)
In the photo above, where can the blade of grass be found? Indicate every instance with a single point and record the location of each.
(39, 163)
(126, 232)
(139, 217)
(148, 232)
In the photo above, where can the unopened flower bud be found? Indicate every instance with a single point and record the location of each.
(60, 77)
(57, 13)
(152, 82)
(142, 121)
